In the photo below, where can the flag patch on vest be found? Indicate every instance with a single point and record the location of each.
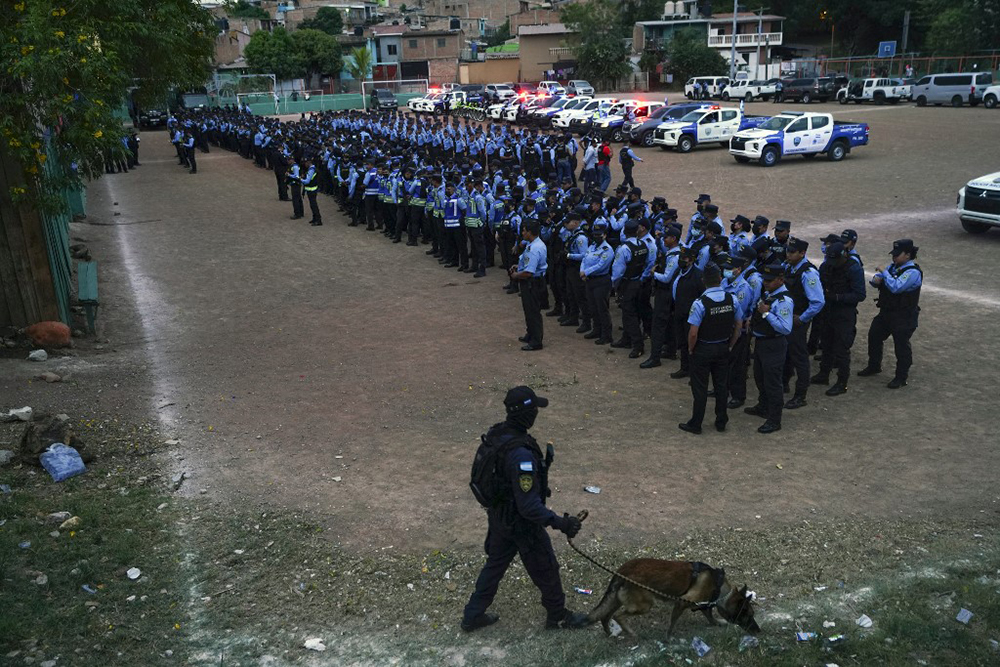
(527, 466)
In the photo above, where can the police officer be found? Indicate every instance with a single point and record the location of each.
(898, 308)
(803, 283)
(627, 158)
(518, 520)
(770, 324)
(687, 286)
(595, 271)
(309, 186)
(631, 261)
(294, 177)
(843, 289)
(661, 336)
(576, 244)
(713, 330)
(530, 271)
(744, 298)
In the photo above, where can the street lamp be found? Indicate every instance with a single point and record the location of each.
(826, 16)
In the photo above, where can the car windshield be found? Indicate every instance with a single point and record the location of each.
(776, 123)
(659, 112)
(561, 103)
(574, 104)
(692, 117)
(432, 96)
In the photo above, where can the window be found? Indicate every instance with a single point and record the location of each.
(710, 118)
(413, 44)
(984, 79)
(798, 126)
(924, 81)
(728, 115)
(953, 80)
(390, 49)
(819, 122)
(440, 42)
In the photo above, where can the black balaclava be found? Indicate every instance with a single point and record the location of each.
(522, 420)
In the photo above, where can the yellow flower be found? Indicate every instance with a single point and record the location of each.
(99, 103)
(83, 60)
(36, 145)
(42, 157)
(81, 38)
(25, 50)
(65, 81)
(32, 169)
(98, 134)
(60, 34)
(14, 143)
(19, 7)
(67, 98)
(62, 12)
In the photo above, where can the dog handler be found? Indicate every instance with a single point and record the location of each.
(517, 522)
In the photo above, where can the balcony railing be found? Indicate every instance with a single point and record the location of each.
(750, 39)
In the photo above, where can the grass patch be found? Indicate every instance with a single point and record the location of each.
(120, 528)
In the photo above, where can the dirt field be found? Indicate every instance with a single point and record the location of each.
(282, 356)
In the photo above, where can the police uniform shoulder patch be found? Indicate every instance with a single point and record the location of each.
(526, 482)
(812, 281)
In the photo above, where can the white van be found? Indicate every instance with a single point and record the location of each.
(714, 86)
(954, 89)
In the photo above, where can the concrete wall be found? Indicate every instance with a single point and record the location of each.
(426, 46)
(442, 70)
(490, 71)
(535, 56)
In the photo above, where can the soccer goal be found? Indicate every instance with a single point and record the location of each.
(404, 89)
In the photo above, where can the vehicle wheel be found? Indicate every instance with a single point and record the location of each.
(990, 101)
(880, 98)
(837, 151)
(842, 100)
(806, 99)
(617, 137)
(769, 156)
(956, 101)
(975, 227)
(480, 116)
(921, 101)
(725, 97)
(647, 138)
(742, 159)
(748, 98)
(685, 144)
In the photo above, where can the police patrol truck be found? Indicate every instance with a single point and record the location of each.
(798, 133)
(712, 125)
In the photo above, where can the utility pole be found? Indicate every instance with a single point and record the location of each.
(906, 30)
(760, 33)
(732, 52)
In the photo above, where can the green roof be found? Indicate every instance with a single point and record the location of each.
(504, 48)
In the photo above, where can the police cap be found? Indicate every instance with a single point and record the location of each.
(711, 210)
(702, 198)
(636, 191)
(631, 226)
(849, 235)
(782, 226)
(801, 245)
(834, 250)
(772, 271)
(761, 221)
(901, 246)
(523, 398)
(659, 200)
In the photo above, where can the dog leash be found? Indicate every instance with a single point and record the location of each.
(696, 605)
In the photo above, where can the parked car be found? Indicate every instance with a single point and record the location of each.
(524, 89)
(500, 91)
(712, 124)
(552, 87)
(613, 125)
(748, 90)
(979, 204)
(955, 89)
(798, 133)
(382, 98)
(878, 91)
(820, 89)
(152, 118)
(640, 130)
(579, 87)
(990, 97)
(543, 109)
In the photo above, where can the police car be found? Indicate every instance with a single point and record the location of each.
(979, 203)
(711, 125)
(564, 119)
(798, 133)
(990, 97)
(613, 125)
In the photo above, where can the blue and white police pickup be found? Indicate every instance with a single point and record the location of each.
(712, 125)
(798, 133)
(979, 204)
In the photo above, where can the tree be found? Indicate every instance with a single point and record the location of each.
(501, 35)
(67, 69)
(360, 63)
(688, 55)
(274, 53)
(244, 10)
(318, 52)
(959, 27)
(328, 20)
(601, 54)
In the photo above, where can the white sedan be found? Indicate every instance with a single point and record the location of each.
(979, 203)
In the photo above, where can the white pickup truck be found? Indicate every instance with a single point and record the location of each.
(798, 133)
(712, 125)
(745, 89)
(878, 91)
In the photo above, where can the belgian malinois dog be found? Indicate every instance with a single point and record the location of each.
(694, 586)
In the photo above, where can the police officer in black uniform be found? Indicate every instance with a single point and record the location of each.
(517, 522)
(628, 288)
(844, 288)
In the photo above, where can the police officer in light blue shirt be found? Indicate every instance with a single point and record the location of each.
(595, 269)
(770, 325)
(530, 272)
(804, 285)
(744, 300)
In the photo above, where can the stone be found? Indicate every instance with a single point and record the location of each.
(38, 355)
(41, 580)
(6, 456)
(58, 517)
(178, 479)
(62, 417)
(50, 377)
(20, 414)
(71, 523)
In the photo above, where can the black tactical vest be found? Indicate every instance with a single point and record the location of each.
(718, 320)
(625, 158)
(640, 254)
(759, 325)
(890, 302)
(835, 278)
(795, 289)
